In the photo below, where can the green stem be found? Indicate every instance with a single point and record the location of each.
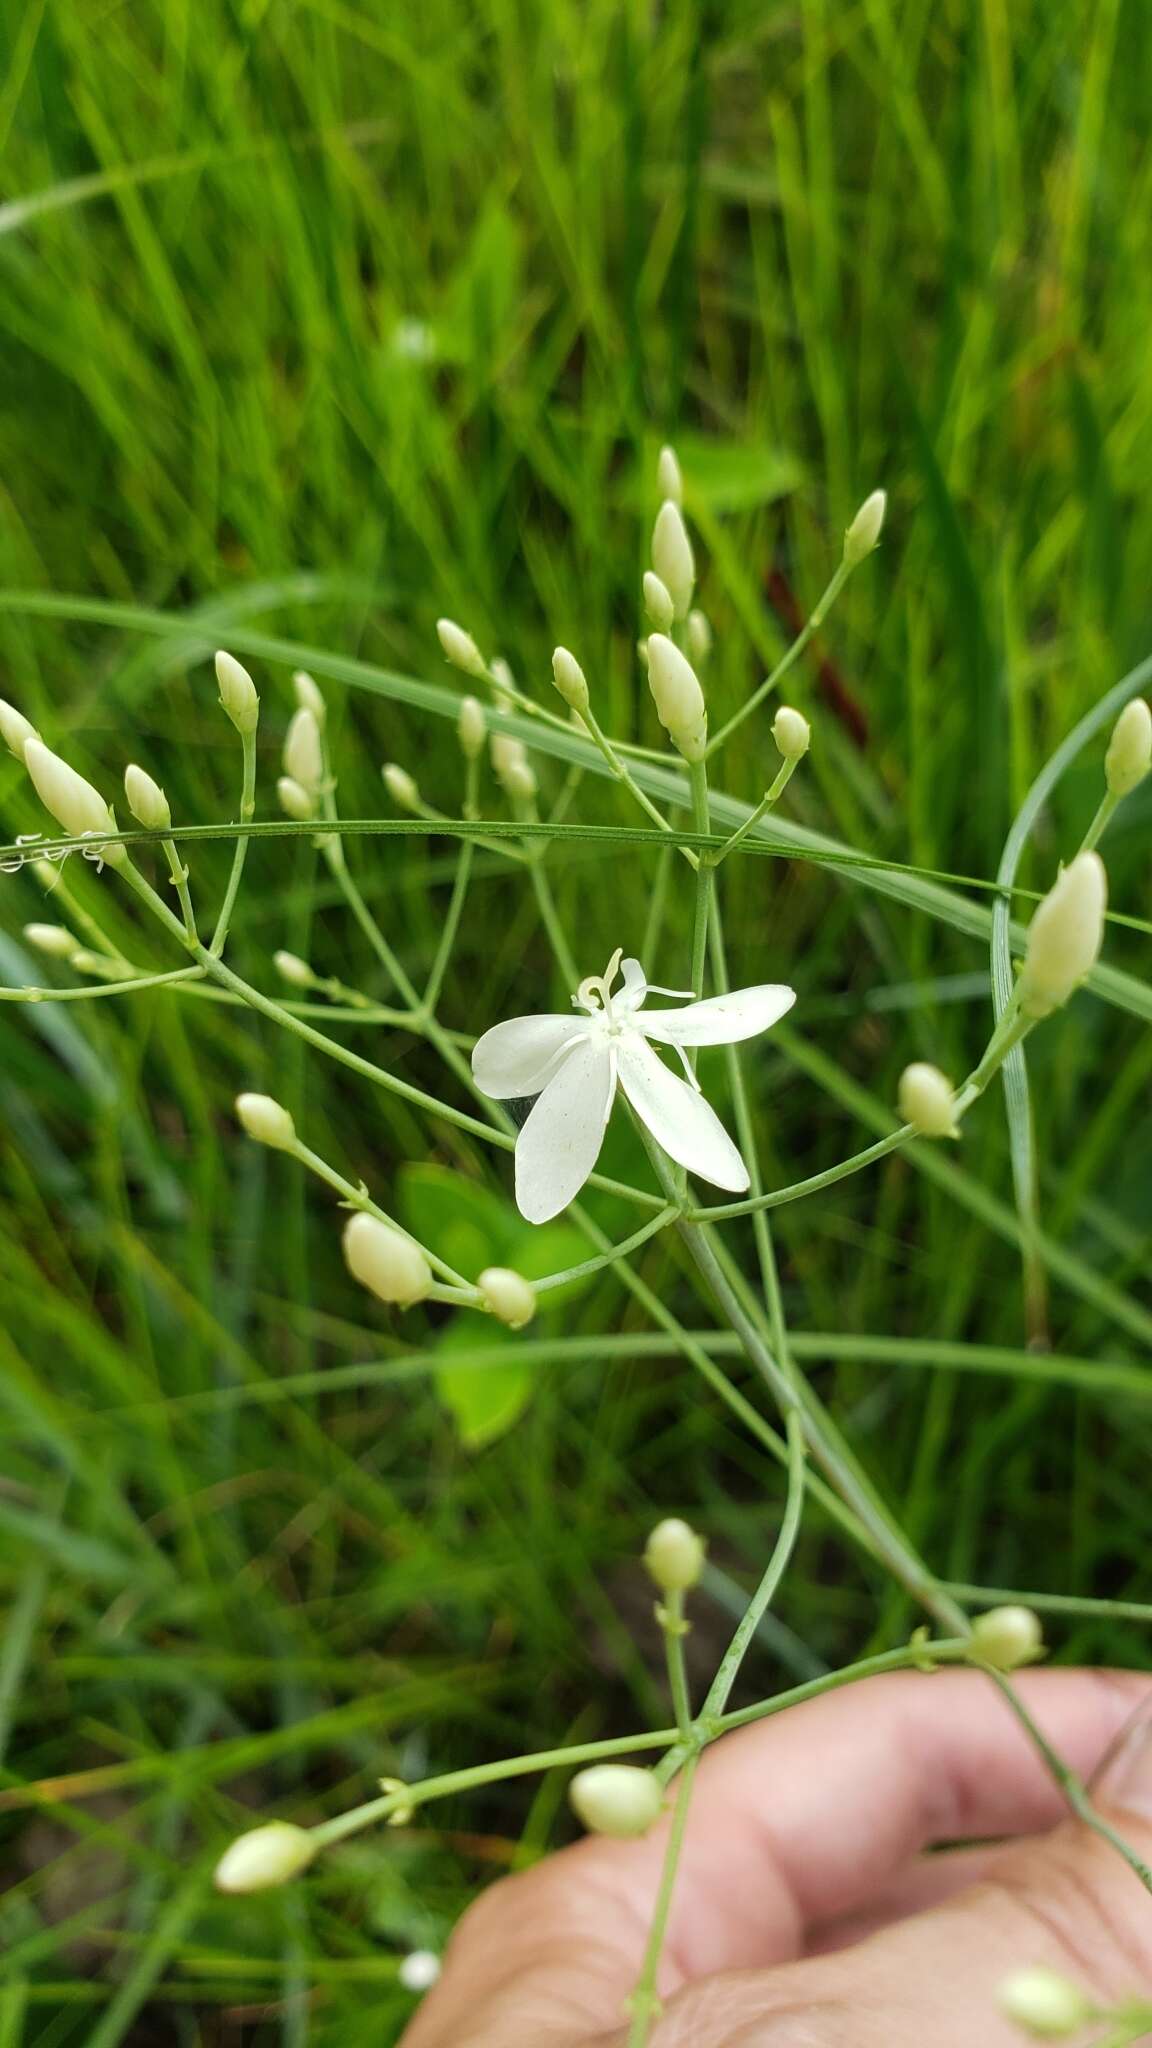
(721, 1687)
(1100, 822)
(769, 799)
(611, 1256)
(240, 852)
(816, 1182)
(670, 1615)
(179, 874)
(702, 906)
(625, 778)
(103, 988)
(456, 904)
(644, 2004)
(358, 1198)
(793, 654)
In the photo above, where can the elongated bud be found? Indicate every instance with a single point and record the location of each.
(460, 648)
(669, 481)
(292, 969)
(674, 1555)
(237, 692)
(925, 1098)
(672, 557)
(47, 873)
(508, 1296)
(514, 771)
(15, 729)
(678, 698)
(1065, 936)
(51, 939)
(72, 801)
(1046, 2005)
(570, 679)
(520, 781)
(265, 1857)
(146, 800)
(401, 787)
(471, 727)
(309, 696)
(865, 529)
(1007, 1637)
(84, 961)
(389, 1265)
(503, 683)
(295, 801)
(303, 750)
(698, 634)
(267, 1121)
(658, 602)
(616, 1799)
(792, 733)
(1129, 755)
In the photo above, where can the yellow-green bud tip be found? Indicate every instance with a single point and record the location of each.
(388, 1264)
(267, 1121)
(471, 727)
(146, 800)
(570, 679)
(678, 698)
(926, 1099)
(669, 481)
(1065, 936)
(237, 692)
(1007, 1637)
(507, 1296)
(674, 1555)
(15, 729)
(401, 786)
(616, 1799)
(1129, 755)
(792, 733)
(865, 529)
(672, 557)
(265, 1857)
(1048, 2007)
(460, 648)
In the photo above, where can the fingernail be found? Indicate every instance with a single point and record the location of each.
(1123, 1776)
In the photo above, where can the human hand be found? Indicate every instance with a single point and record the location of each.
(806, 1913)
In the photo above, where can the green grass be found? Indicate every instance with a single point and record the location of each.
(320, 322)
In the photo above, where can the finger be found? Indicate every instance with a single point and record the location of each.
(924, 1882)
(795, 1822)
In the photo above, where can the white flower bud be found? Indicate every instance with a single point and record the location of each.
(865, 529)
(267, 1121)
(295, 801)
(520, 781)
(471, 727)
(570, 679)
(51, 939)
(503, 683)
(1047, 2006)
(401, 787)
(84, 961)
(309, 696)
(507, 1296)
(698, 634)
(460, 648)
(292, 969)
(678, 698)
(926, 1099)
(15, 729)
(237, 692)
(264, 1857)
(389, 1265)
(674, 1555)
(420, 1970)
(792, 733)
(669, 481)
(672, 557)
(146, 800)
(1129, 755)
(1007, 1637)
(72, 801)
(1065, 936)
(657, 602)
(616, 1799)
(303, 750)
(513, 769)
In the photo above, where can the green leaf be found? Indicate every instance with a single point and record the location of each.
(468, 1225)
(483, 1401)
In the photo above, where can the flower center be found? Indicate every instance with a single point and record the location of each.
(595, 992)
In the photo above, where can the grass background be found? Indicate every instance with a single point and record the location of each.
(324, 319)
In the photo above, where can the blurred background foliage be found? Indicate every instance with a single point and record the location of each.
(323, 319)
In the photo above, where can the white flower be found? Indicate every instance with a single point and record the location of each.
(574, 1063)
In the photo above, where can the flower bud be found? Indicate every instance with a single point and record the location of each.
(674, 1555)
(146, 800)
(503, 683)
(1129, 755)
(460, 648)
(570, 679)
(520, 781)
(1047, 2006)
(15, 729)
(926, 1099)
(669, 481)
(84, 961)
(513, 768)
(672, 557)
(237, 692)
(309, 696)
(471, 727)
(267, 1121)
(72, 801)
(678, 698)
(295, 801)
(389, 1265)
(1065, 936)
(642, 654)
(507, 1296)
(864, 531)
(401, 787)
(264, 1857)
(657, 602)
(698, 634)
(51, 939)
(303, 750)
(47, 873)
(1006, 1638)
(616, 1799)
(420, 1970)
(292, 969)
(792, 733)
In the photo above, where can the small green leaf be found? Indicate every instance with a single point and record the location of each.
(483, 1400)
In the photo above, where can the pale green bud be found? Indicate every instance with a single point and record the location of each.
(698, 634)
(293, 970)
(926, 1099)
(401, 787)
(267, 1121)
(1046, 2005)
(513, 769)
(792, 733)
(669, 481)
(264, 1857)
(503, 683)
(507, 1296)
(642, 654)
(570, 679)
(1065, 936)
(460, 648)
(309, 696)
(420, 1970)
(674, 1555)
(237, 692)
(295, 801)
(865, 529)
(1007, 1637)
(1129, 755)
(616, 1799)
(146, 800)
(84, 961)
(15, 729)
(51, 939)
(72, 801)
(678, 698)
(471, 727)
(304, 750)
(388, 1264)
(672, 557)
(658, 602)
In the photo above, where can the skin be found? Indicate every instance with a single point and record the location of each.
(807, 1913)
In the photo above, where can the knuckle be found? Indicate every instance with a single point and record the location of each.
(1087, 1908)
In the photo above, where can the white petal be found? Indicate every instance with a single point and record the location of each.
(679, 1119)
(560, 1143)
(721, 1020)
(516, 1058)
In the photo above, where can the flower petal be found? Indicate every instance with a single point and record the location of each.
(560, 1143)
(721, 1020)
(679, 1119)
(516, 1058)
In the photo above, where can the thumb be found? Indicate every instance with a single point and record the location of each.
(1067, 1901)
